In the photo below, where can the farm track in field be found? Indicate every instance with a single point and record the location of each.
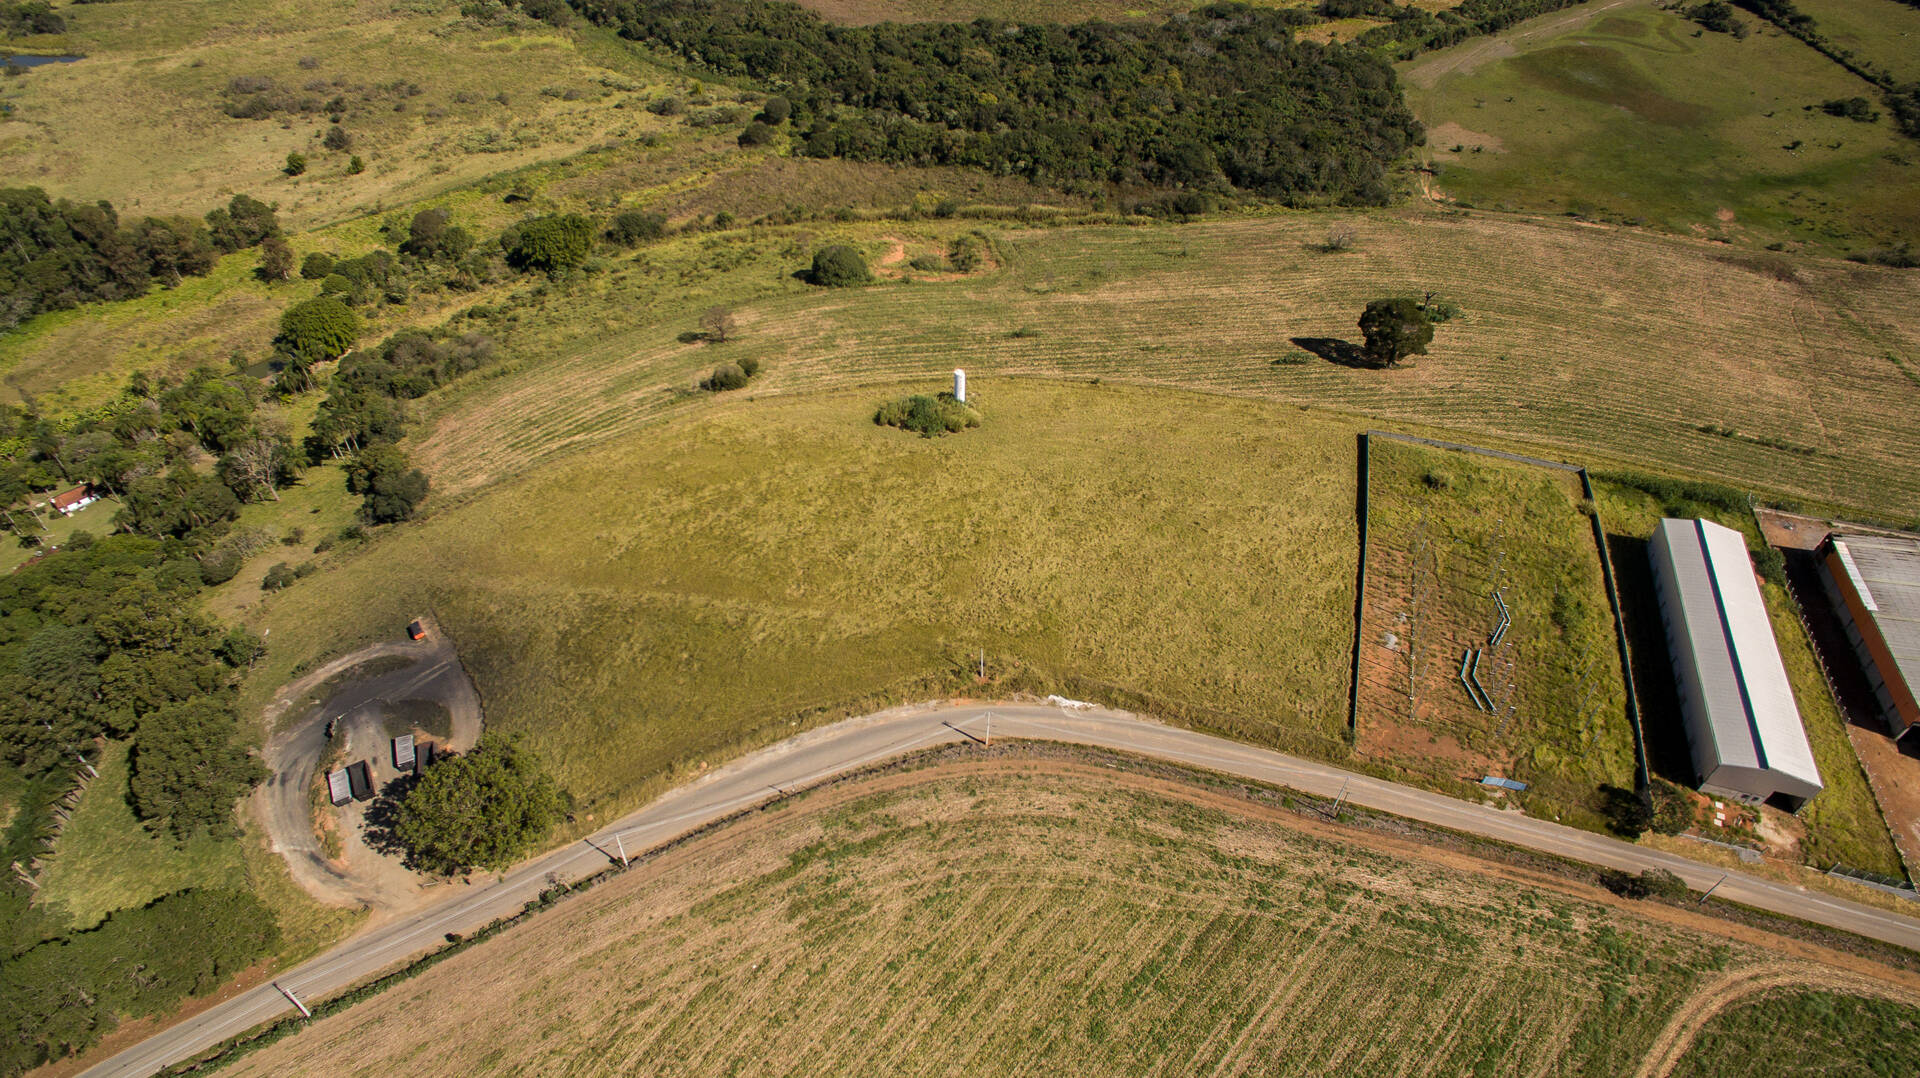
(1598, 343)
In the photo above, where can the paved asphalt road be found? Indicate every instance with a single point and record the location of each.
(818, 754)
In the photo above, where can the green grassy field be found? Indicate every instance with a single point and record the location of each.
(1885, 33)
(1617, 111)
(1807, 1033)
(1602, 344)
(1024, 920)
(1843, 823)
(1445, 530)
(105, 860)
(665, 599)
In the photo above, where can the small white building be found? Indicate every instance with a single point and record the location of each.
(1737, 704)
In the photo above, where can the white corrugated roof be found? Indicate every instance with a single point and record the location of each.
(1749, 699)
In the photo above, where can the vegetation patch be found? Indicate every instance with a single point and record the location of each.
(928, 416)
(1120, 104)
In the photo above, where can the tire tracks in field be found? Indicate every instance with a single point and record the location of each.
(1728, 991)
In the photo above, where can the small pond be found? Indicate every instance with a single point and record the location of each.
(35, 61)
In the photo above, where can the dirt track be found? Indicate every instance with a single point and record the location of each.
(360, 877)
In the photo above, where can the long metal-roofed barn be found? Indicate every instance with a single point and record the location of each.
(1875, 584)
(1735, 699)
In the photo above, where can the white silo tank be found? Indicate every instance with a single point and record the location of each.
(959, 385)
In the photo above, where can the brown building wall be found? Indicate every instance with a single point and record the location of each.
(1904, 705)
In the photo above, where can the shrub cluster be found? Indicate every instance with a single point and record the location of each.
(927, 416)
(839, 266)
(60, 997)
(731, 375)
(30, 17)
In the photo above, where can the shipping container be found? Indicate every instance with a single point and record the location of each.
(339, 789)
(360, 776)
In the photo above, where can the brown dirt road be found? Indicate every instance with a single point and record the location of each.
(361, 876)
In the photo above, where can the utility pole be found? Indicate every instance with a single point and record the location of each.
(85, 764)
(983, 664)
(1342, 797)
(622, 847)
(295, 1000)
(1711, 890)
(989, 729)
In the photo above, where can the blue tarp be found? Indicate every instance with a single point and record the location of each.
(1505, 784)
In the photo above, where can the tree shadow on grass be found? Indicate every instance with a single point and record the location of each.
(1335, 350)
(382, 814)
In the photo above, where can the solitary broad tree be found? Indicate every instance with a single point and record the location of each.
(1395, 329)
(480, 810)
(839, 266)
(317, 330)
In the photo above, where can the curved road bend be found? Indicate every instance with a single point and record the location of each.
(819, 754)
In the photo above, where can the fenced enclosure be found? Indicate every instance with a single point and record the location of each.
(1487, 640)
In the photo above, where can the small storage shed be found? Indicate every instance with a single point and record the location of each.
(339, 790)
(403, 755)
(1735, 700)
(416, 630)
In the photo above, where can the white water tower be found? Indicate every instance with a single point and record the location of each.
(960, 385)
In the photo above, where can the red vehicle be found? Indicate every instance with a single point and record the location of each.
(416, 630)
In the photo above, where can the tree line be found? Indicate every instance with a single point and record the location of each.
(56, 255)
(1220, 99)
(1902, 98)
(62, 995)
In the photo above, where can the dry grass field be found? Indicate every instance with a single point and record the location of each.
(1023, 917)
(433, 101)
(1598, 343)
(664, 599)
(1447, 532)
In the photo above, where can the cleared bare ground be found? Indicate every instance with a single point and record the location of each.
(1024, 916)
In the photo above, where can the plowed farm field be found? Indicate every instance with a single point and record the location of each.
(1029, 916)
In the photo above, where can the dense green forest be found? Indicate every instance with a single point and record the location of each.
(1223, 99)
(55, 255)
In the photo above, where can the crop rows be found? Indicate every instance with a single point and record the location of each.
(1039, 924)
